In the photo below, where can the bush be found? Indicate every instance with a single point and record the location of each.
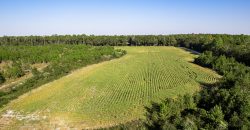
(118, 53)
(2, 79)
(14, 71)
(35, 72)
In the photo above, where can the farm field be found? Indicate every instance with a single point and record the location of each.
(111, 92)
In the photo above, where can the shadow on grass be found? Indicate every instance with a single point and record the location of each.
(191, 51)
(208, 85)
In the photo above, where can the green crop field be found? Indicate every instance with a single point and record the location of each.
(111, 92)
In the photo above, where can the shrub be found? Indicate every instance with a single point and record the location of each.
(2, 79)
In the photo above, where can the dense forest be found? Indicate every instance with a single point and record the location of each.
(236, 46)
(224, 105)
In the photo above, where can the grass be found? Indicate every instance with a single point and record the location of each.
(114, 92)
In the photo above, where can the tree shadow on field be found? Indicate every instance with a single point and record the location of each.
(191, 51)
(208, 85)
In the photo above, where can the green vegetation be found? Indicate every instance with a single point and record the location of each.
(116, 91)
(2, 79)
(14, 71)
(222, 105)
(236, 46)
(61, 58)
(183, 113)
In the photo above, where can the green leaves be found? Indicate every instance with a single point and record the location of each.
(217, 117)
(14, 71)
(170, 114)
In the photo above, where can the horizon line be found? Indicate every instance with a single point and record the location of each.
(78, 34)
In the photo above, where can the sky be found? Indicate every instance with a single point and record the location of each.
(123, 17)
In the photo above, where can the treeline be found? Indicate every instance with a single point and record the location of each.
(198, 41)
(61, 58)
(237, 46)
(224, 105)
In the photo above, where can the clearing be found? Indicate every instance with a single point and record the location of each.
(110, 92)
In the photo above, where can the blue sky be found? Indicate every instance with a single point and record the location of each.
(117, 17)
